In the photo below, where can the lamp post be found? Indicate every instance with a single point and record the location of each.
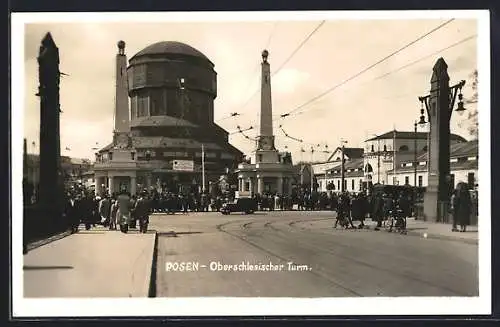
(342, 164)
(439, 105)
(415, 124)
(312, 172)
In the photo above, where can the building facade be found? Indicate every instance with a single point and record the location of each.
(376, 166)
(162, 135)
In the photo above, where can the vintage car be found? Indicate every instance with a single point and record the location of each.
(246, 205)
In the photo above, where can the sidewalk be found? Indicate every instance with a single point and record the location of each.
(434, 230)
(441, 231)
(94, 263)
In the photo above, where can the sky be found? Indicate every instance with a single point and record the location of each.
(369, 104)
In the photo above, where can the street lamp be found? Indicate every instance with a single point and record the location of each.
(452, 96)
(378, 157)
(439, 105)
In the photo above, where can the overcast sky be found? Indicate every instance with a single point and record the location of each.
(336, 52)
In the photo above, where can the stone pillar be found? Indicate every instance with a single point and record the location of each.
(111, 183)
(98, 188)
(133, 185)
(250, 184)
(436, 195)
(240, 184)
(280, 185)
(148, 181)
(51, 185)
(260, 185)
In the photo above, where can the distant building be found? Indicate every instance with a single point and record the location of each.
(72, 169)
(378, 159)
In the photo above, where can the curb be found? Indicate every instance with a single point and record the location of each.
(36, 244)
(436, 236)
(154, 269)
(444, 237)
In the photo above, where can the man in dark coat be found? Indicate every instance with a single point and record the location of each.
(463, 208)
(142, 209)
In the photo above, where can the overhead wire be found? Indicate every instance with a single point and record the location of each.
(366, 69)
(471, 37)
(287, 60)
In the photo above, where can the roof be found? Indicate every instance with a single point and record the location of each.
(352, 153)
(352, 164)
(401, 135)
(457, 150)
(170, 47)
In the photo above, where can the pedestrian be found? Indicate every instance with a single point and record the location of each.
(133, 217)
(123, 213)
(463, 207)
(454, 211)
(105, 210)
(113, 213)
(378, 210)
(142, 210)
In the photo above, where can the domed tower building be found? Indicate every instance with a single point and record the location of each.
(168, 123)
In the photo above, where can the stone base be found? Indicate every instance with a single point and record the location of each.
(431, 206)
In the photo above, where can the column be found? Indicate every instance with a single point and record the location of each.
(133, 185)
(111, 183)
(98, 188)
(240, 184)
(280, 185)
(260, 185)
(250, 184)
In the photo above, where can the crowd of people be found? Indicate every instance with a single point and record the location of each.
(120, 209)
(123, 209)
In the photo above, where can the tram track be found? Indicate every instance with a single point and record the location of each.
(284, 259)
(315, 246)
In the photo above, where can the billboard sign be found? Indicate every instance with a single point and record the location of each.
(183, 165)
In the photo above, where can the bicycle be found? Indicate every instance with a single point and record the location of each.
(396, 220)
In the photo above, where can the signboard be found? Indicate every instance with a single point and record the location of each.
(183, 165)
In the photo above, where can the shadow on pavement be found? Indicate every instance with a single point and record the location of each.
(46, 267)
(175, 234)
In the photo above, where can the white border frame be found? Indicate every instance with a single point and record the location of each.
(251, 306)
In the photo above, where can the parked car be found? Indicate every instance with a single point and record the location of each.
(246, 205)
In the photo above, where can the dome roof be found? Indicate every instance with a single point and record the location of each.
(171, 47)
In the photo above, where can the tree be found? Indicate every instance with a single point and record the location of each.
(471, 121)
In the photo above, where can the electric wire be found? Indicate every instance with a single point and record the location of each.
(287, 60)
(366, 69)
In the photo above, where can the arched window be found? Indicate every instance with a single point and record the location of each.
(368, 168)
(403, 148)
(373, 148)
(385, 148)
